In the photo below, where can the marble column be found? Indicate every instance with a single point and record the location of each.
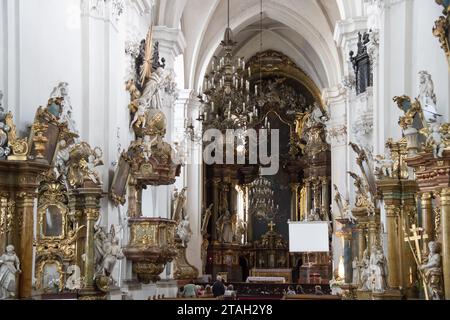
(92, 216)
(392, 216)
(25, 212)
(445, 226)
(427, 216)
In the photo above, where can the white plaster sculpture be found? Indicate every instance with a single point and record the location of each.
(184, 231)
(427, 98)
(378, 272)
(9, 268)
(435, 140)
(73, 281)
(433, 271)
(151, 97)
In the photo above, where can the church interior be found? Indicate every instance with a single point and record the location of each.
(225, 149)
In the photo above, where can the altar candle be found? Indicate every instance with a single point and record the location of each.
(249, 72)
(243, 106)
(256, 90)
(212, 106)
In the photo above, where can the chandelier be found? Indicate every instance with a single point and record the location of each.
(262, 204)
(227, 95)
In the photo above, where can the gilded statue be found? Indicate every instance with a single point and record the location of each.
(433, 271)
(9, 268)
(19, 147)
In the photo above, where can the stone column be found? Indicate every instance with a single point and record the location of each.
(392, 216)
(294, 201)
(25, 212)
(445, 225)
(428, 217)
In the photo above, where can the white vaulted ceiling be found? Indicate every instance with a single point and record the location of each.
(301, 29)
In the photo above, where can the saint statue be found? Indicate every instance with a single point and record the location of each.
(107, 251)
(224, 227)
(184, 230)
(151, 98)
(427, 98)
(378, 271)
(9, 267)
(364, 272)
(433, 271)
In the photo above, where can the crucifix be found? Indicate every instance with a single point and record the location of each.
(416, 237)
(271, 225)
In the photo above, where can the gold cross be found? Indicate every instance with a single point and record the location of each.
(417, 236)
(271, 225)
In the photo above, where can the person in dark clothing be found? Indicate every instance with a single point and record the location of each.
(218, 288)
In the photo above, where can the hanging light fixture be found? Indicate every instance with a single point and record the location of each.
(226, 92)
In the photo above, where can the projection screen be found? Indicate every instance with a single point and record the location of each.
(307, 237)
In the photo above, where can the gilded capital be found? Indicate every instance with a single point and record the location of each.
(445, 197)
(92, 214)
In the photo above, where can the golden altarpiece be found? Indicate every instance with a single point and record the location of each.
(240, 240)
(58, 170)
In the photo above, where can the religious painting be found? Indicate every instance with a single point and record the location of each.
(49, 276)
(120, 180)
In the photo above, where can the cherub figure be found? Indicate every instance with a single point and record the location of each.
(435, 140)
(147, 145)
(140, 117)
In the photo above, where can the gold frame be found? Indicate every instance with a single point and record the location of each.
(40, 270)
(49, 199)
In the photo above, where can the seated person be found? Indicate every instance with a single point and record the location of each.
(299, 290)
(230, 294)
(318, 291)
(190, 290)
(208, 292)
(180, 292)
(218, 288)
(200, 291)
(290, 291)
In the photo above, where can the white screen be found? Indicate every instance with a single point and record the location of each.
(307, 237)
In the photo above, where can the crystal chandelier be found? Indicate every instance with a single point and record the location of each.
(262, 204)
(226, 94)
